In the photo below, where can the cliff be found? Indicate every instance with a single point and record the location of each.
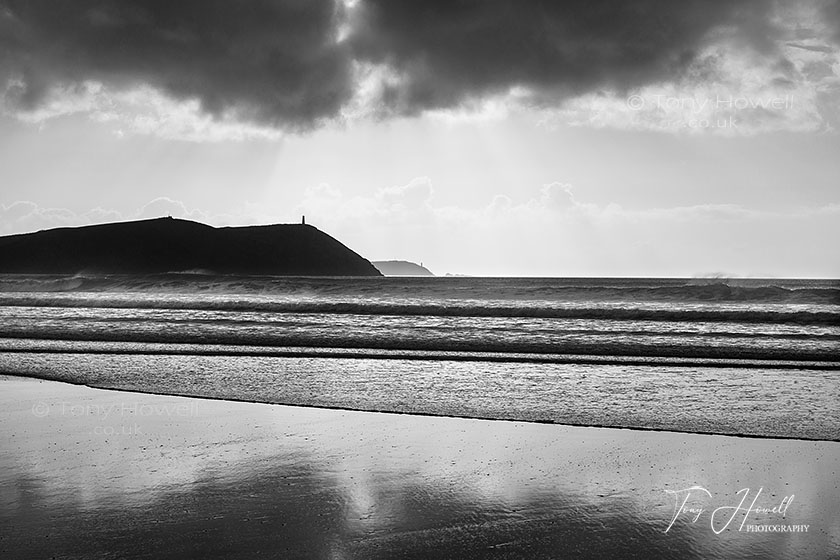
(174, 245)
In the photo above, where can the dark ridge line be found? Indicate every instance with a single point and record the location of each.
(655, 361)
(162, 245)
(429, 414)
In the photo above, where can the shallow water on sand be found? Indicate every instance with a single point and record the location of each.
(97, 473)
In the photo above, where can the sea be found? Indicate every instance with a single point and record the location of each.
(750, 357)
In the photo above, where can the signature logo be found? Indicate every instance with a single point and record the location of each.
(693, 503)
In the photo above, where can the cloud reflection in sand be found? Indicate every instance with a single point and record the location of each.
(242, 479)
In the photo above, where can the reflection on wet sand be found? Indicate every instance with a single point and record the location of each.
(225, 479)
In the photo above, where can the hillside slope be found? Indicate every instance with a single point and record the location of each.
(174, 245)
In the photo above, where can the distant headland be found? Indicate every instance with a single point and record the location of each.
(401, 268)
(173, 245)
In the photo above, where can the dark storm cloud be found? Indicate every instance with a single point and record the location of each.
(450, 51)
(275, 61)
(831, 14)
(279, 62)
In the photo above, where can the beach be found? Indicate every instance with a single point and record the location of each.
(371, 280)
(93, 473)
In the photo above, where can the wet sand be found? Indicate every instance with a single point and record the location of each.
(92, 473)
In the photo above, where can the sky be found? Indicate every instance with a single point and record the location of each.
(480, 137)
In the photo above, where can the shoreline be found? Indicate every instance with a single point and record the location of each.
(420, 414)
(133, 474)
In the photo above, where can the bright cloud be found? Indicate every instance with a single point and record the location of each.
(557, 232)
